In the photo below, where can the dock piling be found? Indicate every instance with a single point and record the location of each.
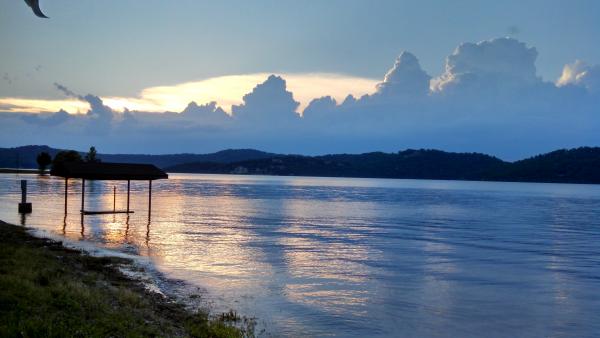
(128, 188)
(66, 189)
(83, 195)
(24, 207)
(149, 198)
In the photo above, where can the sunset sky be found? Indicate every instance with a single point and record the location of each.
(98, 59)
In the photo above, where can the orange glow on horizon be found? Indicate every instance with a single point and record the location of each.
(23, 105)
(226, 91)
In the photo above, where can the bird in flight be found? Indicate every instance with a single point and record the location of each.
(35, 6)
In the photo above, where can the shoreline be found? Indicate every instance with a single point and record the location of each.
(21, 171)
(47, 173)
(379, 178)
(47, 289)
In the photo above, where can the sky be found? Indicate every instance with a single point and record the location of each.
(510, 78)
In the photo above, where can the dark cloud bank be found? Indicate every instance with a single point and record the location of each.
(489, 99)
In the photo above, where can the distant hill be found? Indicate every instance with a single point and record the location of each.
(581, 165)
(431, 164)
(25, 157)
(163, 161)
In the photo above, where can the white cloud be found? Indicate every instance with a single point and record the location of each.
(25, 105)
(47, 119)
(498, 64)
(406, 78)
(269, 102)
(208, 113)
(580, 74)
(228, 91)
(488, 99)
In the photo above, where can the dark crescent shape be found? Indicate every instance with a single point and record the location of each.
(35, 6)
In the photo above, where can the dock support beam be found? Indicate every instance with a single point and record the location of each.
(24, 206)
(128, 187)
(114, 199)
(149, 198)
(82, 195)
(66, 188)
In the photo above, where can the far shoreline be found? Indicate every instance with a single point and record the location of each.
(30, 171)
(379, 178)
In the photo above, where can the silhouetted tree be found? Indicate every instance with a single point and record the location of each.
(65, 156)
(91, 156)
(43, 160)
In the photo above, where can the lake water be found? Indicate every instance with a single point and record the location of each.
(354, 257)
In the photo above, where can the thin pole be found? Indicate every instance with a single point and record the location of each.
(128, 186)
(23, 191)
(114, 199)
(149, 197)
(82, 227)
(82, 195)
(66, 187)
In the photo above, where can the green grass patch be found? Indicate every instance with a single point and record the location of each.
(47, 290)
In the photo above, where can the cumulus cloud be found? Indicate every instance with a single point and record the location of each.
(97, 108)
(229, 90)
(98, 117)
(47, 119)
(498, 64)
(226, 91)
(397, 100)
(406, 78)
(581, 74)
(268, 102)
(488, 99)
(405, 84)
(208, 113)
(323, 105)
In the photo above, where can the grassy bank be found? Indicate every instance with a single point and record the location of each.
(47, 290)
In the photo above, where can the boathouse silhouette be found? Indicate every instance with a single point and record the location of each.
(103, 171)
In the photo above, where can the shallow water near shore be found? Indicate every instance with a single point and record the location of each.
(353, 257)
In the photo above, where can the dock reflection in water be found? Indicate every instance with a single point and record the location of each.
(355, 257)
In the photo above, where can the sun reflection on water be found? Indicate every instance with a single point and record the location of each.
(311, 256)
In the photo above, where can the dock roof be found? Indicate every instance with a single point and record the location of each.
(108, 171)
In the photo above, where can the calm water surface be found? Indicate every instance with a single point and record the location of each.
(355, 257)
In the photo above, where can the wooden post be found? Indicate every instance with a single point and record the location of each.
(23, 191)
(114, 199)
(66, 187)
(149, 197)
(82, 227)
(82, 195)
(128, 186)
(24, 206)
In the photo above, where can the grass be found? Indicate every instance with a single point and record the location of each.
(47, 290)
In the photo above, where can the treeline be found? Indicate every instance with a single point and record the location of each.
(26, 157)
(581, 165)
